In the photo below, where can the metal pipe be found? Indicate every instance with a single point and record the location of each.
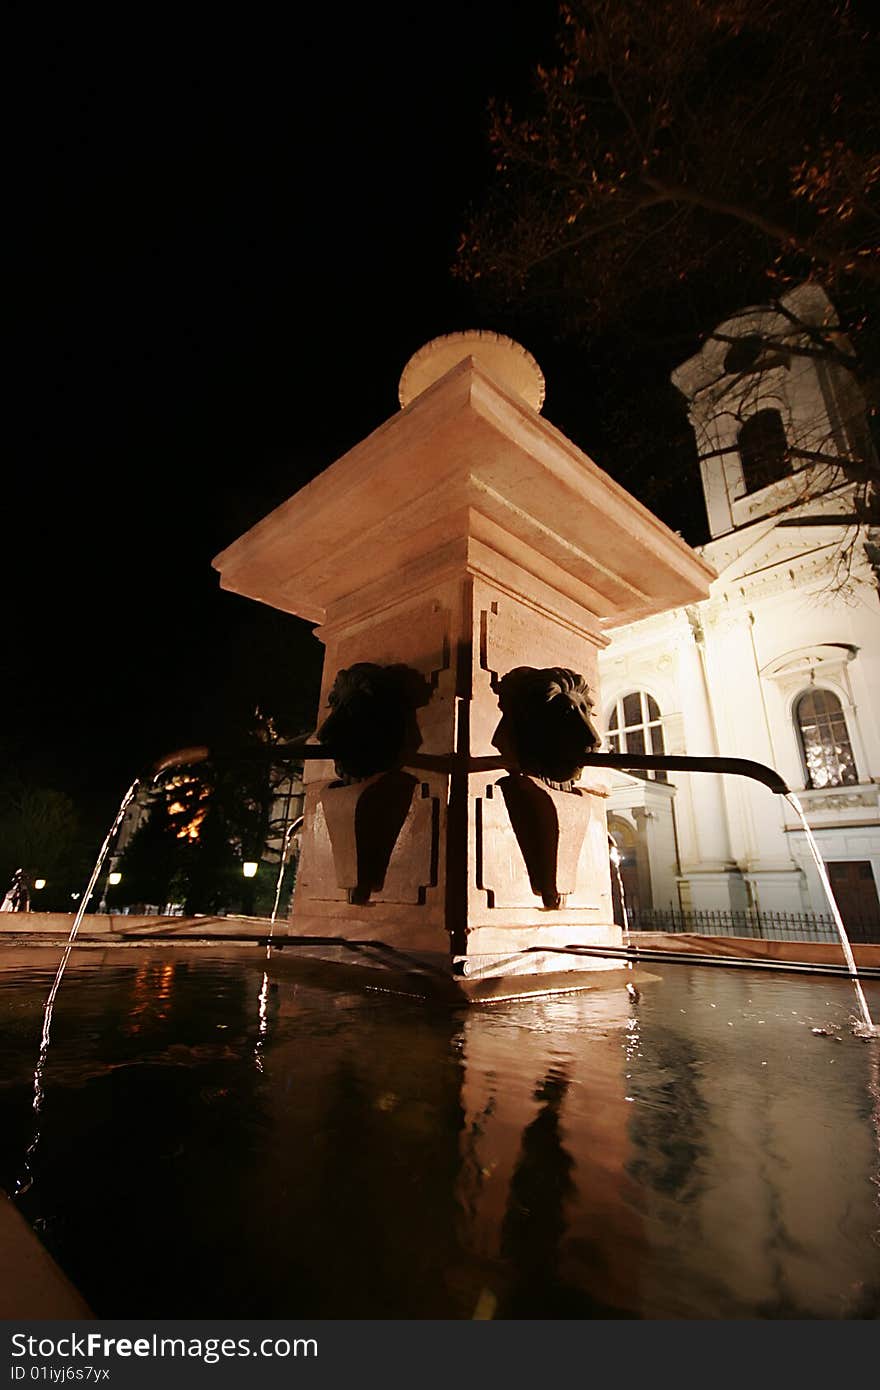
(740, 767)
(301, 751)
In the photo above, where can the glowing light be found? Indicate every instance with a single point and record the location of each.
(114, 878)
(39, 883)
(190, 831)
(192, 805)
(249, 868)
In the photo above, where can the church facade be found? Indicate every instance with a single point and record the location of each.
(780, 664)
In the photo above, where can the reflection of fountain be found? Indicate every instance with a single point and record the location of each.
(547, 1206)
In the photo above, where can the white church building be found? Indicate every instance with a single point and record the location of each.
(781, 664)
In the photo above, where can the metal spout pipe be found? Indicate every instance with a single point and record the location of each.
(300, 751)
(647, 762)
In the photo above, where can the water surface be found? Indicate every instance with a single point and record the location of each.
(698, 1153)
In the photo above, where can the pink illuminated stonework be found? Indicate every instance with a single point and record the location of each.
(464, 538)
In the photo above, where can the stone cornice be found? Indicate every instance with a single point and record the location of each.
(464, 448)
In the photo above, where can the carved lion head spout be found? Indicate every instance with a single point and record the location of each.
(545, 725)
(372, 725)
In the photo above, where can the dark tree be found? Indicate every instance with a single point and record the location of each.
(152, 861)
(41, 833)
(682, 159)
(686, 139)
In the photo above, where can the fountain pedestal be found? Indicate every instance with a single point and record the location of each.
(463, 538)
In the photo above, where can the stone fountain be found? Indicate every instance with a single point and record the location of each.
(463, 564)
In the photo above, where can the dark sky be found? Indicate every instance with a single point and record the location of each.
(229, 237)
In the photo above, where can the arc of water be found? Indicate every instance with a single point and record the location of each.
(285, 848)
(26, 1179)
(868, 1023)
(263, 1024)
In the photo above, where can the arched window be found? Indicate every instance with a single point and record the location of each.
(763, 449)
(635, 727)
(828, 755)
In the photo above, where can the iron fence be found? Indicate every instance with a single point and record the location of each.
(764, 926)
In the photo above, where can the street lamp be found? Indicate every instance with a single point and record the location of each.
(113, 878)
(249, 870)
(39, 883)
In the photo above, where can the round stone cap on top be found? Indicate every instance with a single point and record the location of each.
(504, 359)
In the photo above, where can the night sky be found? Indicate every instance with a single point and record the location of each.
(229, 237)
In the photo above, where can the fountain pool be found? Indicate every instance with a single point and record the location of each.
(213, 1147)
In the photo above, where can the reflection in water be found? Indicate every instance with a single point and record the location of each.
(263, 1017)
(153, 983)
(668, 1120)
(699, 1154)
(874, 1091)
(543, 1181)
(536, 1219)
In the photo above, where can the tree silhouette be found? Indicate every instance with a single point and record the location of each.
(679, 160)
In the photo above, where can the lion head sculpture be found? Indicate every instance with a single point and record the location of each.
(545, 723)
(371, 725)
